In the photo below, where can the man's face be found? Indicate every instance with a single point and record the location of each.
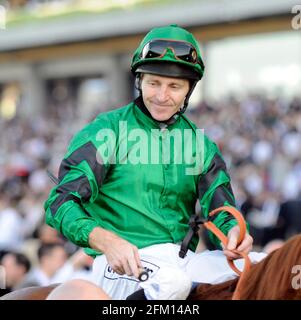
(55, 259)
(14, 272)
(163, 96)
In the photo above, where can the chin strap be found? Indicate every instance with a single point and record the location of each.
(186, 101)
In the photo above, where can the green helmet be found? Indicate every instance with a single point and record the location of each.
(169, 51)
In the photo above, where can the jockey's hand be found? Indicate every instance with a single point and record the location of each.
(122, 256)
(245, 246)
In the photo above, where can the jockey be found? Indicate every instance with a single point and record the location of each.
(126, 193)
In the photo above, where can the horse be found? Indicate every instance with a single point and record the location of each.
(276, 277)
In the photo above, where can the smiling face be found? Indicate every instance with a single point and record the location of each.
(163, 96)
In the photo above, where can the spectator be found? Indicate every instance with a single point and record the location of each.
(51, 258)
(54, 266)
(11, 222)
(45, 235)
(16, 266)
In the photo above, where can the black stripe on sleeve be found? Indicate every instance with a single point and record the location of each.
(80, 185)
(205, 182)
(221, 195)
(87, 152)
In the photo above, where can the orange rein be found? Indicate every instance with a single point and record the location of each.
(243, 229)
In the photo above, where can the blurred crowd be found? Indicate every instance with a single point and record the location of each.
(32, 253)
(260, 140)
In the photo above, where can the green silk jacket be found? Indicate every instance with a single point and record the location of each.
(140, 179)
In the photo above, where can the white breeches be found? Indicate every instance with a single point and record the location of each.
(170, 277)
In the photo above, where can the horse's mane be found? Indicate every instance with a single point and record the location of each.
(270, 279)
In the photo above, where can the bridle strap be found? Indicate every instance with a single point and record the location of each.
(242, 232)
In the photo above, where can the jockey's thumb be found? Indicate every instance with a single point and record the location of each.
(232, 239)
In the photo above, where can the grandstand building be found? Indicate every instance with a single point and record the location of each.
(85, 53)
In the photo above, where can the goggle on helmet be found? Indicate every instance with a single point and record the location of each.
(169, 51)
